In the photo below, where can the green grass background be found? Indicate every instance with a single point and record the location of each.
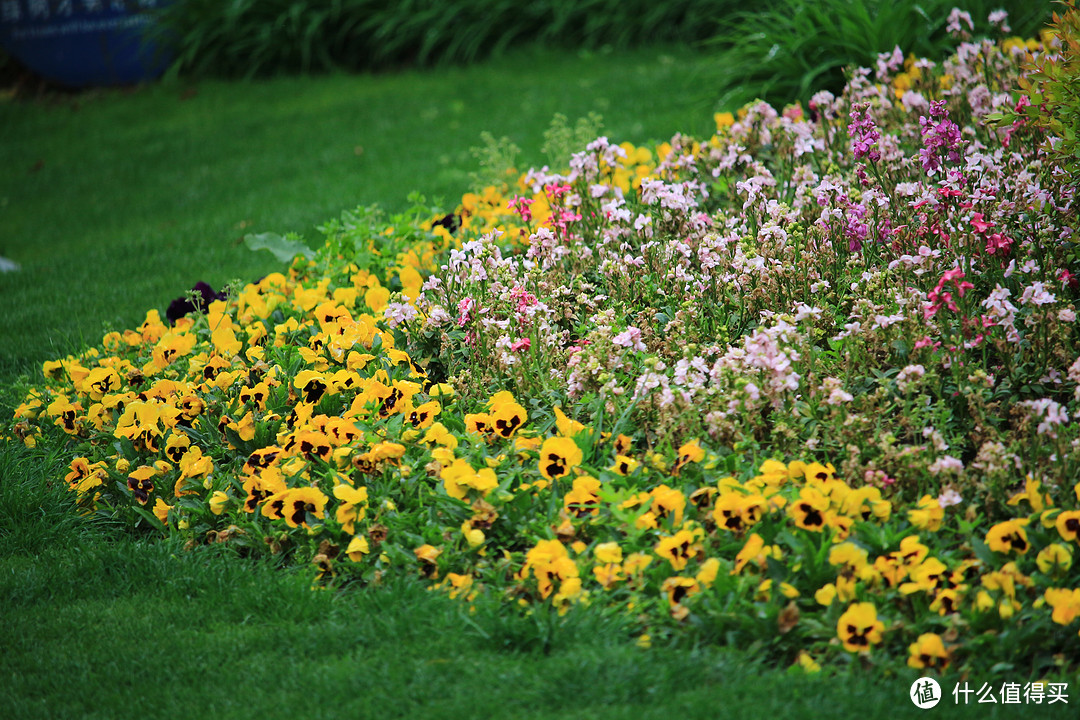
(116, 202)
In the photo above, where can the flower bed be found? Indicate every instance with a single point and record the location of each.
(804, 385)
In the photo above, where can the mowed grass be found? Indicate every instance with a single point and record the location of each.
(99, 624)
(117, 202)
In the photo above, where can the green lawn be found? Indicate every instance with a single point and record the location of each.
(101, 625)
(118, 202)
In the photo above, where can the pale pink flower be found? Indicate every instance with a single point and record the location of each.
(629, 338)
(949, 497)
(398, 313)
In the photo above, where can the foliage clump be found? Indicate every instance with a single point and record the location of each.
(246, 38)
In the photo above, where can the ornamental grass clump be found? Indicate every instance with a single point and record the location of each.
(806, 385)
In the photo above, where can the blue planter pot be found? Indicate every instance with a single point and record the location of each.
(83, 43)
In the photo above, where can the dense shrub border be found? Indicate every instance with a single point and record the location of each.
(245, 38)
(611, 388)
(787, 51)
(779, 50)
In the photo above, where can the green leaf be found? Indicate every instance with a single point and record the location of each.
(150, 517)
(282, 247)
(983, 552)
(776, 570)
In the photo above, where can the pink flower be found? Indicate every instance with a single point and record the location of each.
(522, 344)
(556, 191)
(1069, 280)
(951, 275)
(629, 338)
(864, 133)
(980, 225)
(523, 297)
(949, 497)
(955, 28)
(522, 205)
(996, 242)
(398, 313)
(464, 311)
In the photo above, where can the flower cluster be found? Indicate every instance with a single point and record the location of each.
(771, 386)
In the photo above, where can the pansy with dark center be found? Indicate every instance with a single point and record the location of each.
(295, 505)
(678, 590)
(677, 549)
(582, 500)
(688, 453)
(819, 472)
(177, 446)
(1068, 525)
(1007, 537)
(479, 424)
(808, 511)
(314, 444)
(140, 424)
(728, 512)
(928, 652)
(102, 381)
(624, 465)
(557, 455)
(262, 485)
(505, 414)
(85, 476)
(423, 416)
(387, 408)
(256, 395)
(262, 458)
(668, 502)
(507, 418)
(140, 484)
(214, 366)
(191, 406)
(859, 627)
(311, 385)
(946, 601)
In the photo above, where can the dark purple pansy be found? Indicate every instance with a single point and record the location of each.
(200, 298)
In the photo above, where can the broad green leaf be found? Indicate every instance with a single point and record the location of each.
(282, 247)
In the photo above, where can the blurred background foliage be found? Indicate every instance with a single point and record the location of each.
(776, 50)
(780, 50)
(244, 38)
(787, 51)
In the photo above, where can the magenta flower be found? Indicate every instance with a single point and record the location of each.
(997, 242)
(465, 311)
(980, 225)
(522, 207)
(863, 133)
(941, 139)
(556, 191)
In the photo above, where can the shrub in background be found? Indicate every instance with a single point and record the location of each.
(1049, 103)
(245, 38)
(787, 51)
(780, 52)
